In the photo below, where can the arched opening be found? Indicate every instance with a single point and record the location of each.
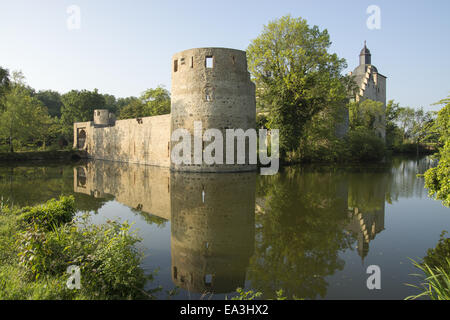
(81, 139)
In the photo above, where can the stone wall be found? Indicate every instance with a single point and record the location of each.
(142, 140)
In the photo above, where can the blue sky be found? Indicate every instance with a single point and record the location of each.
(125, 47)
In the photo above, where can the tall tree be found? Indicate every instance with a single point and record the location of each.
(295, 76)
(23, 116)
(79, 106)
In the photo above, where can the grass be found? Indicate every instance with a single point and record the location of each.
(436, 285)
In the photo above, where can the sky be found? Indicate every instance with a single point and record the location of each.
(125, 47)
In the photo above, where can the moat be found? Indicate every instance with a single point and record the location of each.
(311, 230)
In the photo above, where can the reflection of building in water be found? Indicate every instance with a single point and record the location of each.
(212, 230)
(212, 217)
(366, 208)
(144, 188)
(366, 225)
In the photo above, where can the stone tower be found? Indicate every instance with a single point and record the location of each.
(212, 85)
(372, 85)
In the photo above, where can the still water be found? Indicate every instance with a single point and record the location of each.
(310, 230)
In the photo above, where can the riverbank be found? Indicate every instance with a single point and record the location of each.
(41, 155)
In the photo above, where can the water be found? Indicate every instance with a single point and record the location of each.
(310, 230)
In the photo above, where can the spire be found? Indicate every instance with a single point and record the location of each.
(365, 57)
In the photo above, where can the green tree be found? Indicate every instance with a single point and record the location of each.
(367, 114)
(79, 106)
(52, 100)
(393, 132)
(295, 76)
(4, 85)
(153, 102)
(437, 179)
(23, 115)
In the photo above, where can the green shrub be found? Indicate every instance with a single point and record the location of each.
(52, 214)
(39, 243)
(364, 145)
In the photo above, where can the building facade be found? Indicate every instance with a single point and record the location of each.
(371, 85)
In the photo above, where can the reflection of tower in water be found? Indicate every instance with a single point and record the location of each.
(367, 209)
(213, 230)
(212, 216)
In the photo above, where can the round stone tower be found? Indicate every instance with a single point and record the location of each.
(212, 86)
(101, 117)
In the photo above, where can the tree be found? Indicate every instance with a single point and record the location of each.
(153, 102)
(79, 106)
(437, 179)
(4, 85)
(23, 116)
(367, 114)
(295, 76)
(52, 100)
(393, 133)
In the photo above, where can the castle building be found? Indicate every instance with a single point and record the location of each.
(209, 85)
(371, 84)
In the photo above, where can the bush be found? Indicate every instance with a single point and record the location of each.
(38, 244)
(50, 215)
(364, 145)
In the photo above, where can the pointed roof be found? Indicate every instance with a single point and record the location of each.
(365, 50)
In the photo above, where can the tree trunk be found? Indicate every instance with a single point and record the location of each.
(11, 149)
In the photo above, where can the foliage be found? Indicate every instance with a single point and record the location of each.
(79, 106)
(34, 258)
(435, 256)
(367, 114)
(246, 295)
(50, 215)
(363, 145)
(436, 284)
(24, 116)
(295, 76)
(4, 85)
(52, 100)
(152, 102)
(437, 179)
(436, 268)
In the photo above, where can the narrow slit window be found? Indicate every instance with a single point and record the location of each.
(192, 62)
(209, 62)
(175, 65)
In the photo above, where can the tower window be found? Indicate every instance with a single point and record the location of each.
(175, 65)
(182, 62)
(192, 62)
(209, 62)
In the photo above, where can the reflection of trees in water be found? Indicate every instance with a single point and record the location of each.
(299, 233)
(403, 182)
(31, 184)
